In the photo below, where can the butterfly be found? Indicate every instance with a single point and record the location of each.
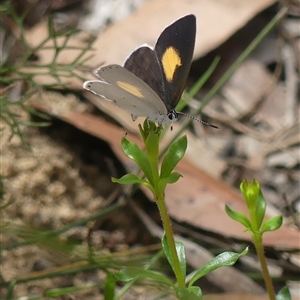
(152, 80)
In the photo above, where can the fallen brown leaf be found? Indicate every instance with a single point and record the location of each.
(196, 199)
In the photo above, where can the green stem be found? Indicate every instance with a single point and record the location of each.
(268, 282)
(170, 238)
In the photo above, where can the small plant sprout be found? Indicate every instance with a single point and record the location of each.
(256, 225)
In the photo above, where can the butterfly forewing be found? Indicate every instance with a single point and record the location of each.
(174, 49)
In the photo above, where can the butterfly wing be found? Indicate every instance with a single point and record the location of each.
(128, 92)
(152, 81)
(144, 63)
(174, 49)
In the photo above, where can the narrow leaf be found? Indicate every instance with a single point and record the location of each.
(190, 293)
(172, 178)
(173, 156)
(110, 287)
(180, 254)
(261, 205)
(128, 179)
(131, 273)
(132, 151)
(284, 294)
(56, 292)
(239, 217)
(10, 290)
(222, 260)
(166, 249)
(133, 179)
(152, 143)
(272, 224)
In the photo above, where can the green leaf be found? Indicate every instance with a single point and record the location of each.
(56, 292)
(152, 143)
(110, 287)
(144, 130)
(10, 290)
(132, 179)
(180, 253)
(172, 178)
(190, 293)
(222, 260)
(166, 249)
(284, 294)
(132, 151)
(129, 179)
(239, 217)
(131, 273)
(261, 205)
(181, 256)
(173, 156)
(272, 224)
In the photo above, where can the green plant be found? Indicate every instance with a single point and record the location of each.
(25, 70)
(156, 179)
(256, 226)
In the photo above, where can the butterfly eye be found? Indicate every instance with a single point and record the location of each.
(173, 115)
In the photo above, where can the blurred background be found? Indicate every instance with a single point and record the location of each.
(65, 225)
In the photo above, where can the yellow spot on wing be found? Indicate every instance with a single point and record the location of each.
(130, 89)
(170, 62)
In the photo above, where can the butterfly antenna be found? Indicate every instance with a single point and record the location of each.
(198, 120)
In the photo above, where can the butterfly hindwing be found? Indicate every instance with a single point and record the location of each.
(143, 62)
(127, 91)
